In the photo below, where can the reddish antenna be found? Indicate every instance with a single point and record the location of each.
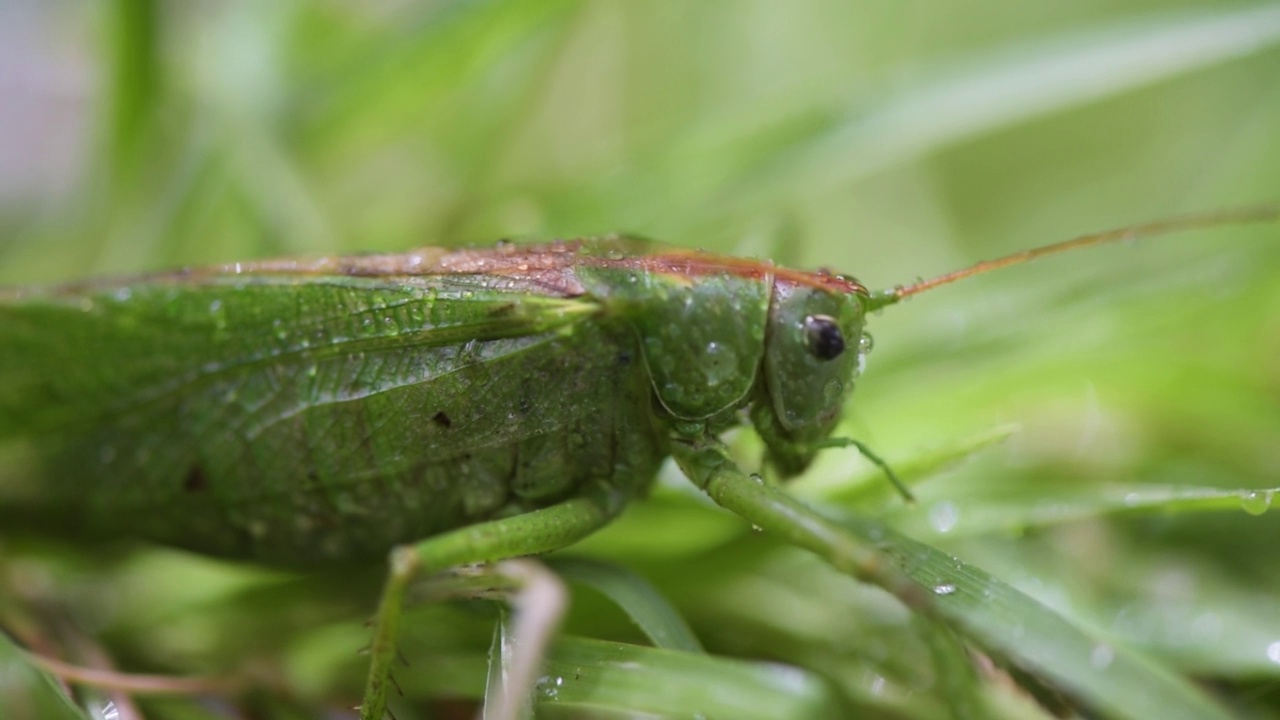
(1236, 216)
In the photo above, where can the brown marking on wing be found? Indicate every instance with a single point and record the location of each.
(695, 263)
(546, 267)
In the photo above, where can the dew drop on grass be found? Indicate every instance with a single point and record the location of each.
(1256, 502)
(1101, 657)
(550, 686)
(1273, 652)
(944, 589)
(943, 516)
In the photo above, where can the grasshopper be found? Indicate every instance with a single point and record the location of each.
(445, 407)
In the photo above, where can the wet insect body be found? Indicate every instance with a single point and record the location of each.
(303, 413)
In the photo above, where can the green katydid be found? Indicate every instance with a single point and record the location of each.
(448, 407)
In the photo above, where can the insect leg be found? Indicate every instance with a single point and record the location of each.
(876, 460)
(528, 534)
(771, 509)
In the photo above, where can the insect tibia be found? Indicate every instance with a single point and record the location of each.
(1157, 228)
(874, 459)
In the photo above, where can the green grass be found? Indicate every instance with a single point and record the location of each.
(1083, 434)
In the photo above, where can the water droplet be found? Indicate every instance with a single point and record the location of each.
(944, 589)
(109, 711)
(1101, 657)
(878, 685)
(1132, 500)
(549, 687)
(866, 343)
(943, 516)
(832, 391)
(1273, 652)
(719, 366)
(1256, 502)
(756, 528)
(757, 478)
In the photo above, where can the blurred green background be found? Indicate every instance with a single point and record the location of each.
(1139, 386)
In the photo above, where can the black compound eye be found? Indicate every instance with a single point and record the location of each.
(823, 337)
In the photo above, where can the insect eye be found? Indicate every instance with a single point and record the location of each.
(823, 337)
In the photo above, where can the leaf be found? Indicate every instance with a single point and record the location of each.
(650, 611)
(27, 693)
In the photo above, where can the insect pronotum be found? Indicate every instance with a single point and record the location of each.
(447, 406)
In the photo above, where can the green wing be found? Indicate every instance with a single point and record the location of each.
(72, 357)
(240, 403)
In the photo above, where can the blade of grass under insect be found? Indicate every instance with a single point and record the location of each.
(957, 678)
(582, 671)
(1195, 613)
(778, 600)
(608, 675)
(960, 516)
(979, 95)
(502, 653)
(651, 612)
(1117, 681)
(27, 693)
(992, 613)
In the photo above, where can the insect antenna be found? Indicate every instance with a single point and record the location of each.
(1237, 216)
